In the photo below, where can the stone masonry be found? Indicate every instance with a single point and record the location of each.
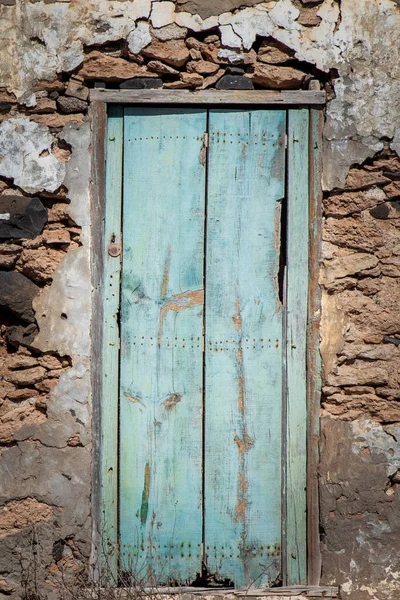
(51, 53)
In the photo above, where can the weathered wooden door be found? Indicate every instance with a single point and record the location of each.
(212, 205)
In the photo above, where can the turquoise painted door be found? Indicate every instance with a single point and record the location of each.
(204, 372)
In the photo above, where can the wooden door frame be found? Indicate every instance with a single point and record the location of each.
(315, 102)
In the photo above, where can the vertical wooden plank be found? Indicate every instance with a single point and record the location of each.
(243, 403)
(313, 355)
(296, 344)
(98, 116)
(161, 344)
(110, 348)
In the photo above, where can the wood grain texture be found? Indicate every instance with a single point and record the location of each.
(210, 97)
(313, 354)
(98, 115)
(296, 345)
(161, 343)
(110, 346)
(243, 392)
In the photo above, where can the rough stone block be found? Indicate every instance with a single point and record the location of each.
(389, 210)
(39, 264)
(174, 52)
(21, 217)
(159, 67)
(309, 17)
(100, 66)
(274, 53)
(16, 295)
(16, 361)
(69, 104)
(204, 67)
(27, 376)
(77, 90)
(192, 79)
(19, 335)
(277, 78)
(141, 83)
(209, 8)
(234, 82)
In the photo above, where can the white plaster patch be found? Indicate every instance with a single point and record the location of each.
(284, 14)
(194, 22)
(249, 23)
(21, 144)
(329, 11)
(231, 55)
(162, 13)
(63, 308)
(229, 37)
(139, 38)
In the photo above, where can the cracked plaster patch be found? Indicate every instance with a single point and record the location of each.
(22, 143)
(139, 38)
(361, 40)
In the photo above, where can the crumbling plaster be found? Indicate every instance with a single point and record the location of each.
(50, 462)
(360, 39)
(366, 508)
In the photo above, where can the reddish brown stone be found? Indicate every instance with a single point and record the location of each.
(56, 237)
(173, 52)
(26, 376)
(277, 78)
(49, 86)
(107, 68)
(358, 179)
(77, 90)
(309, 17)
(159, 67)
(39, 265)
(22, 394)
(203, 67)
(44, 105)
(350, 202)
(56, 120)
(192, 79)
(274, 53)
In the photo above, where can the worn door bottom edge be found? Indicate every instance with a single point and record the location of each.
(296, 592)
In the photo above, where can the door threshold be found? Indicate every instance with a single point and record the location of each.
(296, 592)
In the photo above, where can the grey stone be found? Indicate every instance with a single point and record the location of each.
(380, 212)
(69, 105)
(234, 71)
(209, 8)
(234, 82)
(21, 217)
(18, 335)
(16, 295)
(141, 83)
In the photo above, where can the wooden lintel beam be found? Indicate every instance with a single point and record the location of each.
(211, 97)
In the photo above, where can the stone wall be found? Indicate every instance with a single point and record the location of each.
(359, 473)
(51, 54)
